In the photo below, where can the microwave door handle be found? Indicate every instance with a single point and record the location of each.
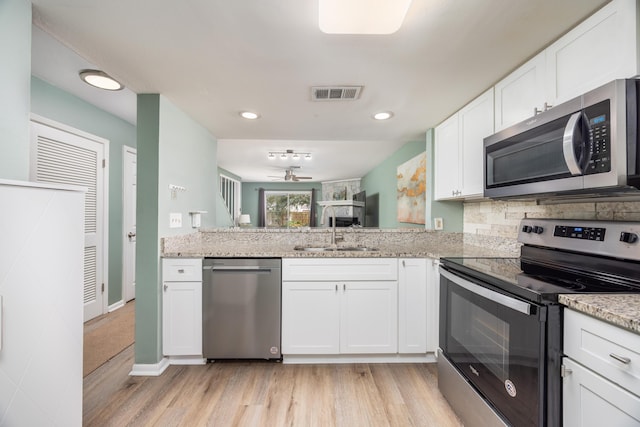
(567, 144)
(507, 301)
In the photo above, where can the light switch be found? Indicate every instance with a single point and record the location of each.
(438, 224)
(175, 220)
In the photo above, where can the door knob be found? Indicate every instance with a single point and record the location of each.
(131, 234)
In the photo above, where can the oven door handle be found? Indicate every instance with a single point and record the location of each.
(515, 304)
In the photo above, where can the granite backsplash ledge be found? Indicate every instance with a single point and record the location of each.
(403, 241)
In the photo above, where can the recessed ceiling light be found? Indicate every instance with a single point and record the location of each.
(100, 79)
(250, 115)
(383, 115)
(361, 16)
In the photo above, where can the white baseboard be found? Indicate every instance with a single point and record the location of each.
(116, 305)
(149, 370)
(358, 358)
(187, 360)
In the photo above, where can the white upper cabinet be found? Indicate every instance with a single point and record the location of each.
(459, 149)
(602, 48)
(520, 93)
(447, 159)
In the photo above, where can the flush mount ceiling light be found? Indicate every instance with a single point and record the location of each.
(288, 154)
(100, 79)
(383, 115)
(249, 115)
(361, 16)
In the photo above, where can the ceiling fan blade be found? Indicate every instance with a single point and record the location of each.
(304, 177)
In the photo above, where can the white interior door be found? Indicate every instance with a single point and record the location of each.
(129, 223)
(68, 156)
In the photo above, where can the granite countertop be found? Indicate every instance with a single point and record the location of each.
(401, 243)
(619, 309)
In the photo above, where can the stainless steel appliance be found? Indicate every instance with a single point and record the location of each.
(586, 146)
(500, 338)
(241, 309)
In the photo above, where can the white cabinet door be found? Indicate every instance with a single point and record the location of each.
(475, 124)
(433, 304)
(412, 305)
(369, 317)
(522, 91)
(589, 400)
(182, 318)
(310, 318)
(447, 157)
(600, 49)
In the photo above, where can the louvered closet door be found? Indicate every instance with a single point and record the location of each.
(65, 158)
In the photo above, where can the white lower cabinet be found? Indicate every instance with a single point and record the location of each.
(412, 305)
(310, 318)
(592, 400)
(601, 382)
(182, 307)
(332, 316)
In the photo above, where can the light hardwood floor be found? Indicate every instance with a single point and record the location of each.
(266, 394)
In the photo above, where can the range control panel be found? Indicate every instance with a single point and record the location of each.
(610, 238)
(572, 232)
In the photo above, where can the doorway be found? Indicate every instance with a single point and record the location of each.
(129, 181)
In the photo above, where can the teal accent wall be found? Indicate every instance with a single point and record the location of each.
(250, 194)
(451, 212)
(148, 346)
(50, 102)
(382, 180)
(172, 149)
(15, 79)
(188, 158)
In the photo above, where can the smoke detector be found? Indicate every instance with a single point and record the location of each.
(335, 93)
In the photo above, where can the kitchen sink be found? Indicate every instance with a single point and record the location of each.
(330, 249)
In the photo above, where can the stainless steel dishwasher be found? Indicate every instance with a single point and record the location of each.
(241, 308)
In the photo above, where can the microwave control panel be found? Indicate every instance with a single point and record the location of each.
(598, 123)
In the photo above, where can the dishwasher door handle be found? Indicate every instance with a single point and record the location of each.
(240, 269)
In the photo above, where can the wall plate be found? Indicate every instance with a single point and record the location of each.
(438, 223)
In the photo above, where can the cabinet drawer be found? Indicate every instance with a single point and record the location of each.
(611, 351)
(340, 269)
(182, 269)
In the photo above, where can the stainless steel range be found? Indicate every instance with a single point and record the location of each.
(500, 355)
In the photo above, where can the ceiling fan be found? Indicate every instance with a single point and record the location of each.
(289, 175)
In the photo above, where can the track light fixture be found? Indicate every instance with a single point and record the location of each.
(289, 154)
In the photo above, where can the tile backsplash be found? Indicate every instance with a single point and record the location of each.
(501, 218)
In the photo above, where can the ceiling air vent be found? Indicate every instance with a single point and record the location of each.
(335, 93)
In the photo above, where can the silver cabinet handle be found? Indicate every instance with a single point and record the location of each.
(620, 359)
(403, 263)
(181, 270)
(166, 287)
(344, 287)
(565, 372)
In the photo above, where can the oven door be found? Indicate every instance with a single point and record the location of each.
(497, 343)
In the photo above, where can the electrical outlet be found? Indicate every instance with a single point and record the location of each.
(438, 224)
(175, 220)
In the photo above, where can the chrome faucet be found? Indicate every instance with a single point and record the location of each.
(333, 228)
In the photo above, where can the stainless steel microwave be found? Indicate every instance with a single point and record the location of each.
(587, 146)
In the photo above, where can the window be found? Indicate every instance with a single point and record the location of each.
(230, 192)
(287, 209)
